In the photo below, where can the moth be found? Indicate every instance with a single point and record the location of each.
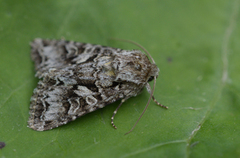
(78, 78)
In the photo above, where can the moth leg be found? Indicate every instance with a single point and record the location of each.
(159, 103)
(115, 112)
(149, 91)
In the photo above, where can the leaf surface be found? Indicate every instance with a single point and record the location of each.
(194, 43)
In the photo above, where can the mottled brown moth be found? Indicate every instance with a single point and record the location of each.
(78, 78)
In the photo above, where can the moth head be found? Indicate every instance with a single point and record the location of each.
(154, 72)
(134, 66)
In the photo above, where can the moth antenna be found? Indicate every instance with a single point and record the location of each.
(150, 98)
(135, 43)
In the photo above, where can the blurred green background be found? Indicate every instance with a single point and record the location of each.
(194, 43)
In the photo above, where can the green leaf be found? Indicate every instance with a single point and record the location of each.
(194, 43)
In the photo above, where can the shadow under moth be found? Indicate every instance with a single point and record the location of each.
(78, 78)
